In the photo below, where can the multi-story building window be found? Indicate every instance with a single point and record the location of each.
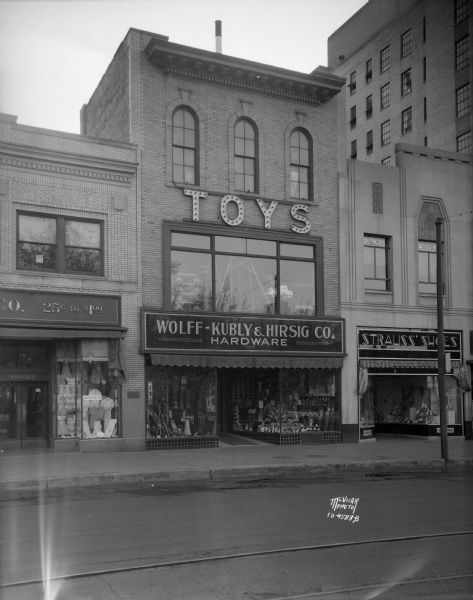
(245, 156)
(369, 70)
(385, 59)
(353, 116)
(425, 110)
(185, 163)
(462, 55)
(406, 43)
(385, 96)
(227, 274)
(385, 132)
(352, 84)
(300, 165)
(424, 69)
(387, 160)
(353, 150)
(424, 30)
(463, 100)
(59, 244)
(369, 106)
(377, 262)
(462, 10)
(427, 266)
(406, 82)
(369, 141)
(464, 142)
(406, 120)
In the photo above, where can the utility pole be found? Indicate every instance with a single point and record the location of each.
(441, 343)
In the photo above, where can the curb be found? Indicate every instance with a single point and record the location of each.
(230, 473)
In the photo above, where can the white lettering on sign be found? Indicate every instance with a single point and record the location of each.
(231, 202)
(267, 212)
(196, 196)
(224, 210)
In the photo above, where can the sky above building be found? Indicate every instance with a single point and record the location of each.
(53, 53)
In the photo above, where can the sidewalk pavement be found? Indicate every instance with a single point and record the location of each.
(33, 470)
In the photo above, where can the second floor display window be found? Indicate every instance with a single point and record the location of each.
(219, 273)
(184, 147)
(245, 156)
(300, 167)
(376, 262)
(59, 245)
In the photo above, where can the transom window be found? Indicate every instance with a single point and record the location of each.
(300, 166)
(384, 59)
(245, 156)
(59, 244)
(219, 273)
(377, 263)
(406, 43)
(184, 147)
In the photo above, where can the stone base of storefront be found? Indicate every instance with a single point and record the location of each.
(291, 439)
(419, 430)
(99, 445)
(183, 442)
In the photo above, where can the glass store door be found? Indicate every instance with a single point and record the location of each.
(23, 414)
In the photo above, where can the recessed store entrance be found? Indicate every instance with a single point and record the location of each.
(23, 415)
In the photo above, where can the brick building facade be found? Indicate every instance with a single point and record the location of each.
(70, 291)
(240, 240)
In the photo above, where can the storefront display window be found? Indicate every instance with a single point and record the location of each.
(182, 402)
(87, 391)
(414, 400)
(283, 400)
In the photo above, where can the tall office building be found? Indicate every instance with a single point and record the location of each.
(408, 69)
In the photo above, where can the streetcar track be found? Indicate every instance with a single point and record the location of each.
(239, 555)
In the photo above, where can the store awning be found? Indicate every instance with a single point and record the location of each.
(38, 333)
(255, 362)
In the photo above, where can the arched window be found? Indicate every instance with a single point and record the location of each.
(185, 158)
(300, 165)
(246, 179)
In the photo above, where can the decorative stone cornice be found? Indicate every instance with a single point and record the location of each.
(314, 88)
(63, 163)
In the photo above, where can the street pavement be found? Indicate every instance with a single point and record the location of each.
(247, 459)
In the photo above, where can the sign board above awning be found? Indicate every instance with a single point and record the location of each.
(204, 334)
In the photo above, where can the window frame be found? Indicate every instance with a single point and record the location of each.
(369, 71)
(182, 147)
(369, 142)
(369, 106)
(212, 230)
(386, 249)
(463, 100)
(245, 158)
(462, 10)
(353, 150)
(432, 270)
(308, 168)
(353, 116)
(385, 129)
(406, 120)
(60, 244)
(461, 139)
(385, 59)
(406, 82)
(385, 96)
(352, 84)
(462, 57)
(406, 43)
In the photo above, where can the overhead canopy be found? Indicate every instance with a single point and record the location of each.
(249, 361)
